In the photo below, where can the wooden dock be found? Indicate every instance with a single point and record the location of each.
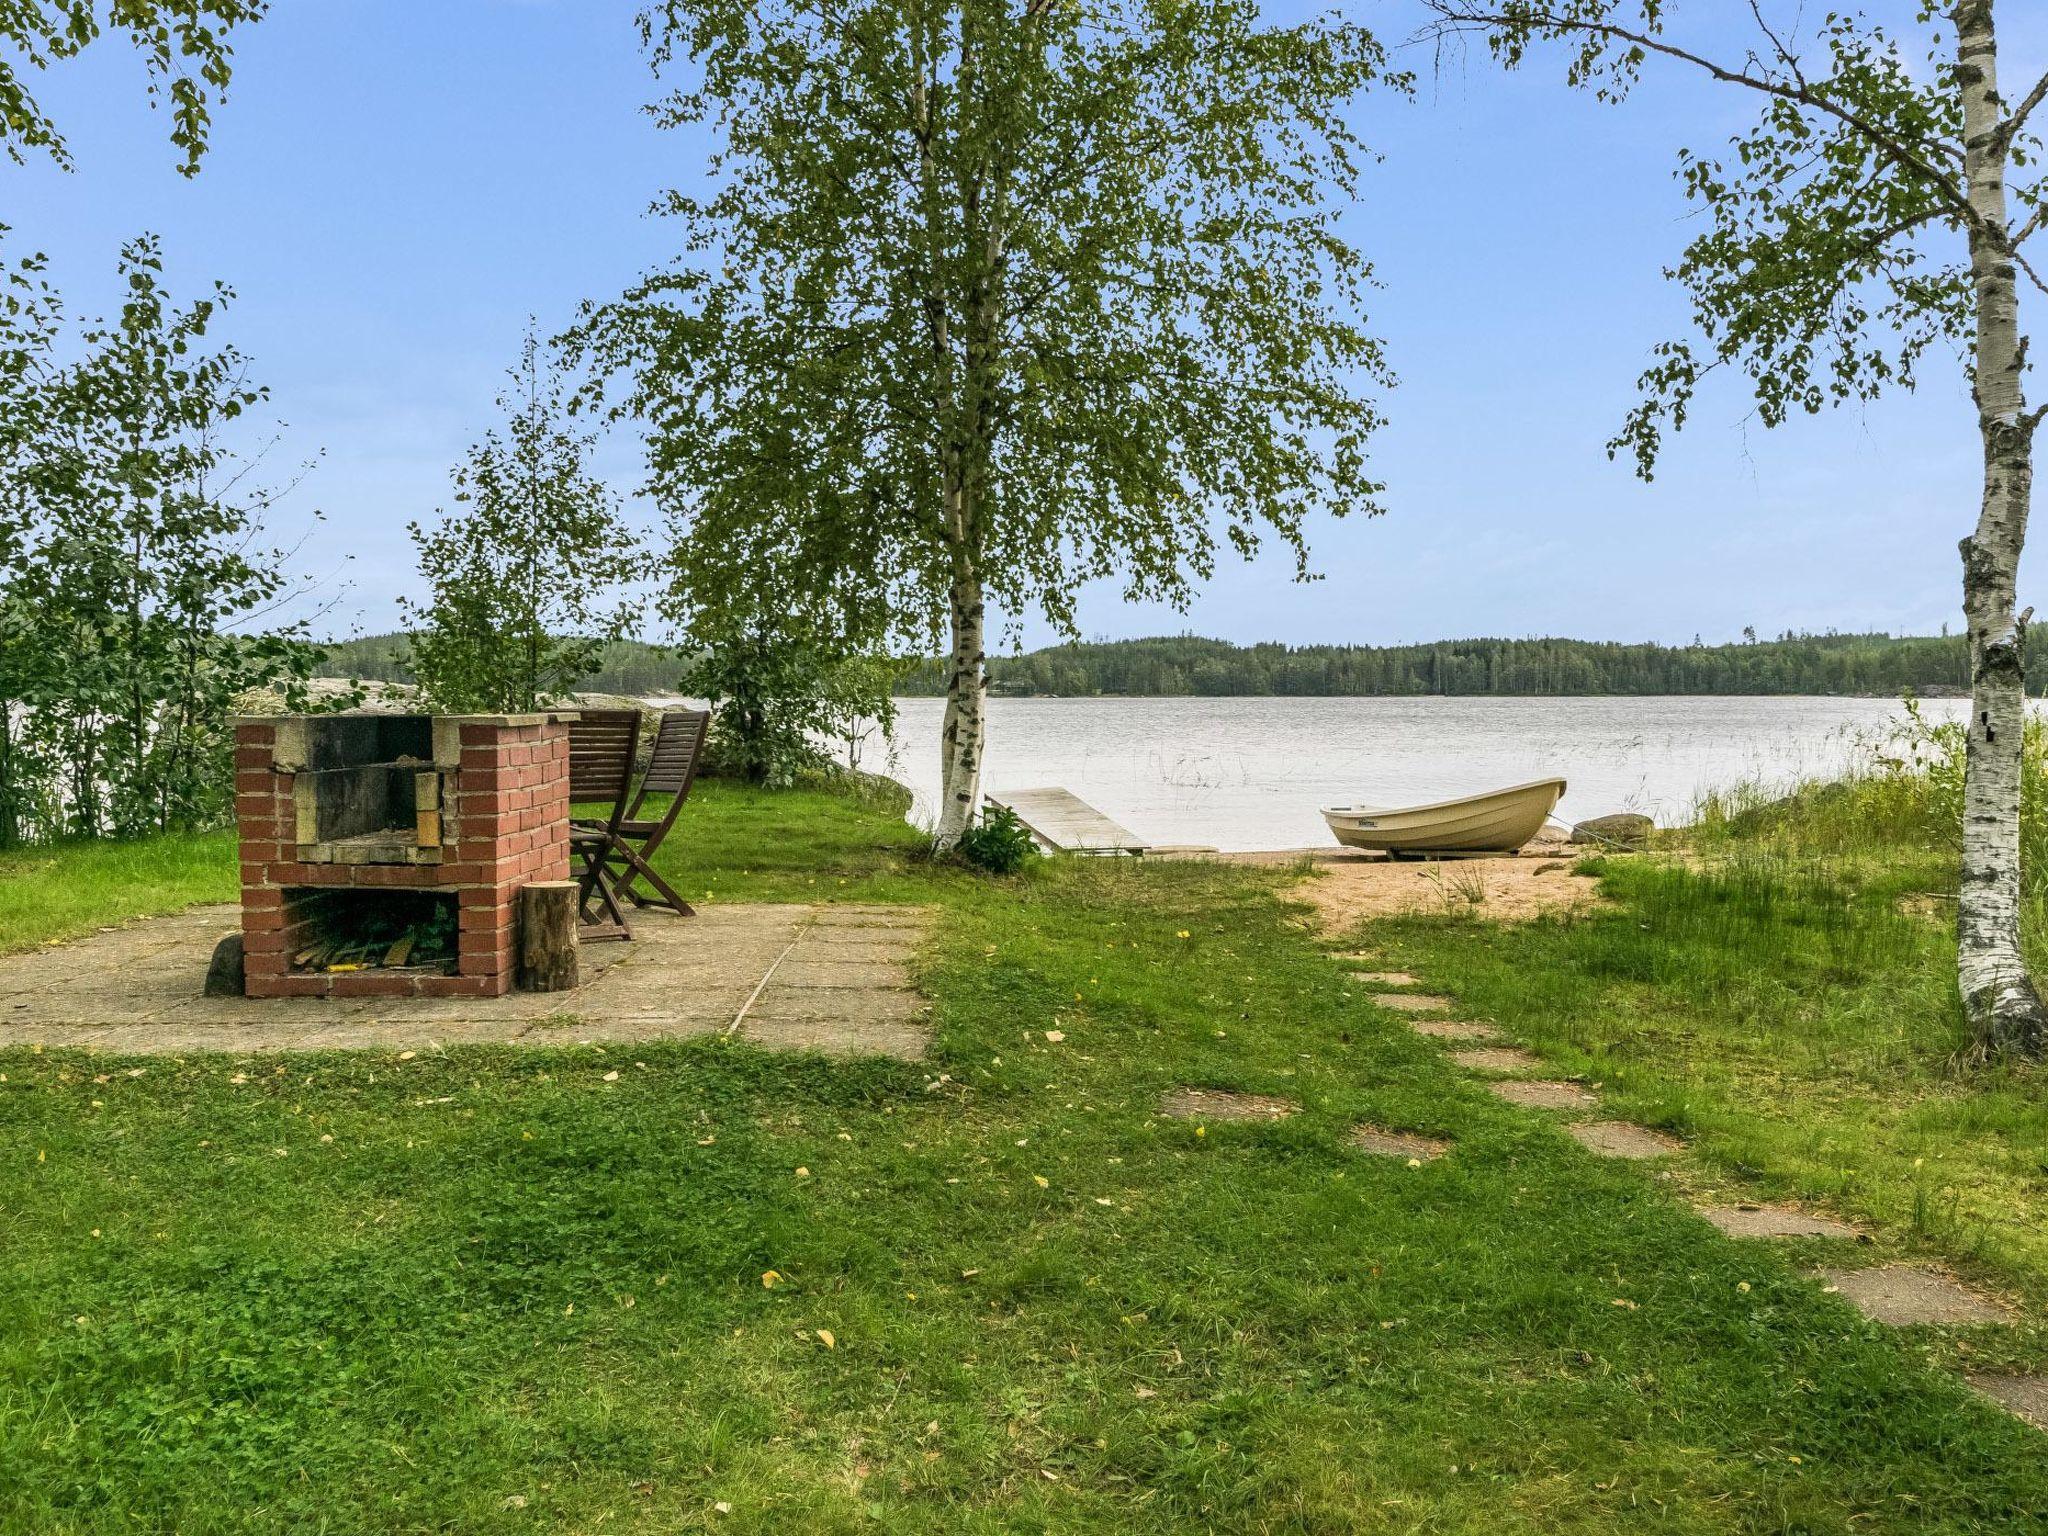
(1063, 821)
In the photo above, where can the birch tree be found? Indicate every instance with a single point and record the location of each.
(183, 44)
(992, 298)
(523, 577)
(1880, 206)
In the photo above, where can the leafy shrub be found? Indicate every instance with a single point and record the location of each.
(999, 843)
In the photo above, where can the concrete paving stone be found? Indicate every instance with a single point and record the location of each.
(1543, 1095)
(1403, 1144)
(1773, 1221)
(853, 935)
(1411, 1002)
(127, 1040)
(798, 972)
(1902, 1296)
(2025, 1397)
(1618, 1138)
(1498, 1058)
(1383, 978)
(811, 950)
(51, 1037)
(1453, 1029)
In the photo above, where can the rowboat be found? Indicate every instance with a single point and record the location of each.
(1499, 821)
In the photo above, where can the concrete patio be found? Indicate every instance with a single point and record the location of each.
(824, 978)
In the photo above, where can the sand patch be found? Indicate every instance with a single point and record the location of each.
(1349, 888)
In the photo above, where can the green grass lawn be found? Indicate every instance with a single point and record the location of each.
(70, 889)
(694, 1286)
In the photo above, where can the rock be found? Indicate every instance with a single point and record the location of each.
(1626, 831)
(224, 976)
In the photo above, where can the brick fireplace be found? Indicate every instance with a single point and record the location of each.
(382, 855)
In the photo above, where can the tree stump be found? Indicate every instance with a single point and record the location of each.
(224, 977)
(547, 936)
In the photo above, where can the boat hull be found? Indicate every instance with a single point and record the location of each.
(1499, 821)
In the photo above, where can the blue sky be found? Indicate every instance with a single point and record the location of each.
(396, 186)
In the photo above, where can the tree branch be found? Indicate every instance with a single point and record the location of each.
(1456, 17)
(2009, 129)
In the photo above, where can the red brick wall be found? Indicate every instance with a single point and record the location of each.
(505, 822)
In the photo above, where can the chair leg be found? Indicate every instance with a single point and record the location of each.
(637, 868)
(594, 883)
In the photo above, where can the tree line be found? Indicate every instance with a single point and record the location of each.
(1874, 664)
(1877, 665)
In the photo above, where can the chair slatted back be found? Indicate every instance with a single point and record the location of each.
(602, 745)
(678, 748)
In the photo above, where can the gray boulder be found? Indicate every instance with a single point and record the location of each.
(224, 976)
(1626, 831)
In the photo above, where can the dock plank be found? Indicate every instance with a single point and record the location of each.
(1061, 819)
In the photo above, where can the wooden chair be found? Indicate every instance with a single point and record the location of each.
(602, 745)
(678, 748)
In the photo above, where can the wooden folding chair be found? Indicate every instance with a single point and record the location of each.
(678, 747)
(602, 745)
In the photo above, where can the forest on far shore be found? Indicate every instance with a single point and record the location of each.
(1186, 665)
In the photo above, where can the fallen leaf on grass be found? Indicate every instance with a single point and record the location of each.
(825, 1338)
(1041, 1181)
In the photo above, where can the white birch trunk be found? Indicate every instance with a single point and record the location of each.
(2005, 1011)
(966, 714)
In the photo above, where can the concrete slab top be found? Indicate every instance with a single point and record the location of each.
(1902, 1296)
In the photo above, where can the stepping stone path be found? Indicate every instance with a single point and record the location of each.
(1220, 1104)
(1617, 1138)
(1773, 1221)
(1543, 1095)
(1499, 1058)
(1412, 1002)
(1897, 1295)
(2024, 1397)
(1902, 1296)
(1450, 1029)
(1419, 1149)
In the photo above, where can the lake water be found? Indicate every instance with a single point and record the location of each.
(1251, 773)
